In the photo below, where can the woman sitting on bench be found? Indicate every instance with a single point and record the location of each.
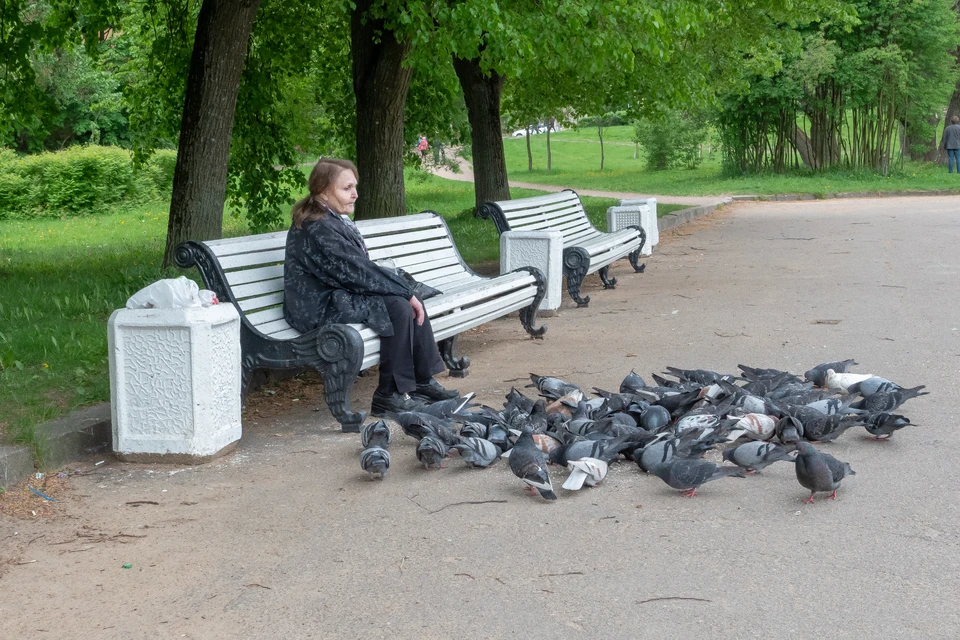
(329, 278)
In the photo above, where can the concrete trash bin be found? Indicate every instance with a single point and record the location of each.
(175, 383)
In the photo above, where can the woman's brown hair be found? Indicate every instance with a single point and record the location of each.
(324, 173)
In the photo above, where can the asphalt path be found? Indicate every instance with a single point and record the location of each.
(287, 538)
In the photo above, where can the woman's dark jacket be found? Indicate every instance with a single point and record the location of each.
(327, 277)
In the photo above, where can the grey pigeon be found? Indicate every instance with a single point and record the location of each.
(530, 465)
(688, 475)
(552, 388)
(418, 425)
(827, 428)
(789, 430)
(376, 434)
(889, 400)
(700, 376)
(655, 417)
(375, 461)
(632, 383)
(870, 386)
(833, 406)
(882, 425)
(819, 472)
(756, 456)
(431, 451)
(473, 430)
(819, 372)
(654, 454)
(449, 407)
(478, 452)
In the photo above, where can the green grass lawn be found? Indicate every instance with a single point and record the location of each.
(576, 163)
(62, 278)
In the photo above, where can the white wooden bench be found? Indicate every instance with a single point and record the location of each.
(586, 249)
(248, 272)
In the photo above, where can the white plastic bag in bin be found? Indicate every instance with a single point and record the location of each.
(173, 293)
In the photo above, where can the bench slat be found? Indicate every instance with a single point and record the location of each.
(406, 262)
(252, 275)
(230, 246)
(478, 320)
(258, 318)
(473, 315)
(398, 223)
(566, 227)
(255, 244)
(253, 259)
(408, 238)
(466, 283)
(257, 288)
(425, 267)
(551, 198)
(455, 279)
(437, 274)
(390, 252)
(550, 211)
(473, 295)
(260, 302)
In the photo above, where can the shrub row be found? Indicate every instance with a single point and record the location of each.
(79, 180)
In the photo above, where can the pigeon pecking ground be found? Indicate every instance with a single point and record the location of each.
(668, 429)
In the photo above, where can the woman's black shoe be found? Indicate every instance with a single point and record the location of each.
(392, 403)
(434, 392)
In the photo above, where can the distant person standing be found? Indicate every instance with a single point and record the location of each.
(951, 142)
(422, 146)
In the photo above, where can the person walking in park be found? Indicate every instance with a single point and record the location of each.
(329, 277)
(422, 146)
(951, 142)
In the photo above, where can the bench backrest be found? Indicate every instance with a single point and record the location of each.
(253, 265)
(561, 212)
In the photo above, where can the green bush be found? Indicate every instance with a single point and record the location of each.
(672, 141)
(160, 168)
(79, 180)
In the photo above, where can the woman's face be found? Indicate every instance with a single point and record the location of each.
(341, 193)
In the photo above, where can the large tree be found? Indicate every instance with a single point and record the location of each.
(200, 176)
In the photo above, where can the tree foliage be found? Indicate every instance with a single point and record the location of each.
(843, 93)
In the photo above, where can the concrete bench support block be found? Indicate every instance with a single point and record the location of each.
(636, 211)
(540, 249)
(175, 383)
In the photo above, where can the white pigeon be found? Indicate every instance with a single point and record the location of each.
(834, 380)
(758, 426)
(585, 470)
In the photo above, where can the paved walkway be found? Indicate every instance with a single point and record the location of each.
(287, 538)
(466, 175)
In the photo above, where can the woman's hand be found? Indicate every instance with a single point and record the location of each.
(418, 313)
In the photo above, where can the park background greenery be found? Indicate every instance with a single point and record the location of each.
(673, 98)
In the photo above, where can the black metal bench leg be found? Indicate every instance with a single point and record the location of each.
(608, 282)
(341, 354)
(576, 262)
(457, 365)
(528, 315)
(634, 256)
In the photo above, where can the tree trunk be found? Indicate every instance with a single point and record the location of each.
(380, 84)
(481, 93)
(529, 152)
(600, 131)
(928, 146)
(200, 175)
(802, 144)
(549, 155)
(953, 109)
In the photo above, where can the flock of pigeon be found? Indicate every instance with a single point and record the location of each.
(664, 428)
